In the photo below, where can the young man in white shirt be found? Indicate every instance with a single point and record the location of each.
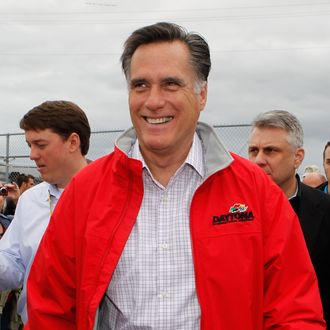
(57, 133)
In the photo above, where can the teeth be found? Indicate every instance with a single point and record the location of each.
(158, 120)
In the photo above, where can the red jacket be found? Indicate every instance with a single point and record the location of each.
(252, 267)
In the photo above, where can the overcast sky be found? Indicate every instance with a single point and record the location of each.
(266, 54)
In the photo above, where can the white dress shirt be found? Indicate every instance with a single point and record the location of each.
(19, 244)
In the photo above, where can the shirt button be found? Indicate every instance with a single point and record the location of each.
(162, 295)
(164, 246)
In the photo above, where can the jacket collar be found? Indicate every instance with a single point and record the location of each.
(298, 186)
(216, 155)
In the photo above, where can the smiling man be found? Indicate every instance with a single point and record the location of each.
(170, 231)
(276, 145)
(57, 133)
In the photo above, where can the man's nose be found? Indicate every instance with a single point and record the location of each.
(33, 153)
(155, 98)
(260, 159)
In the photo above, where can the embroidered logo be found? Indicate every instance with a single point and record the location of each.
(238, 208)
(237, 213)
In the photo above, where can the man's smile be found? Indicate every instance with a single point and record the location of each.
(157, 121)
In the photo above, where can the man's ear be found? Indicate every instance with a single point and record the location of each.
(299, 157)
(203, 97)
(74, 141)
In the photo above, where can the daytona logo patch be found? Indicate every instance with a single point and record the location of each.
(237, 213)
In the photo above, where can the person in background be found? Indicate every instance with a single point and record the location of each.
(326, 165)
(276, 145)
(313, 179)
(4, 315)
(8, 298)
(4, 223)
(5, 220)
(9, 194)
(171, 231)
(311, 169)
(57, 133)
(24, 182)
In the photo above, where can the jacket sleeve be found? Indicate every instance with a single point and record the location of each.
(291, 294)
(51, 282)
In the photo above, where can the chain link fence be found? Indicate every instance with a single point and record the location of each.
(14, 152)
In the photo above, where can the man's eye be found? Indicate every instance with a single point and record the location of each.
(139, 85)
(270, 150)
(172, 84)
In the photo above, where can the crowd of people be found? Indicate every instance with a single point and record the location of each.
(170, 230)
(9, 195)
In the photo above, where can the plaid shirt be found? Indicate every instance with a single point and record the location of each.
(153, 286)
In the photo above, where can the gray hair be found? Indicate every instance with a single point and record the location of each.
(311, 169)
(162, 32)
(281, 119)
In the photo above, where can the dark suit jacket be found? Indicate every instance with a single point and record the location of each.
(322, 186)
(313, 209)
(5, 220)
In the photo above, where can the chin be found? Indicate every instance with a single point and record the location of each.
(47, 179)
(156, 144)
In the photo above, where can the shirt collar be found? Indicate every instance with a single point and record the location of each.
(53, 190)
(298, 189)
(194, 158)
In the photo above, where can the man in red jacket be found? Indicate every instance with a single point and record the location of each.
(170, 231)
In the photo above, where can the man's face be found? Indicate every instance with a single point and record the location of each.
(326, 163)
(30, 183)
(27, 185)
(164, 105)
(269, 148)
(51, 154)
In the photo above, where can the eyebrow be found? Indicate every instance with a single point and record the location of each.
(137, 80)
(36, 141)
(179, 81)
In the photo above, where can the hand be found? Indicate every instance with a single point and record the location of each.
(13, 191)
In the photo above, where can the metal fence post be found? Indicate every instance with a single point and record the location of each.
(7, 158)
